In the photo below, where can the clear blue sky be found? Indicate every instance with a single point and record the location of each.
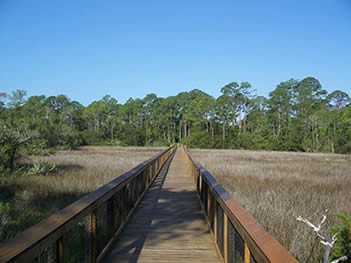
(87, 49)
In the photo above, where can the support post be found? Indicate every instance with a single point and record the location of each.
(225, 238)
(93, 225)
(60, 256)
(214, 220)
(247, 254)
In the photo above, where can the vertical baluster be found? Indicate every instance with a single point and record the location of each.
(195, 176)
(60, 250)
(208, 199)
(135, 189)
(200, 185)
(150, 173)
(93, 237)
(247, 254)
(220, 227)
(142, 182)
(215, 220)
(111, 215)
(133, 186)
(204, 196)
(225, 237)
(145, 178)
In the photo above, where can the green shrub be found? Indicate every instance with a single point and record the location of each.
(251, 141)
(17, 221)
(41, 168)
(91, 137)
(342, 245)
(198, 139)
(4, 214)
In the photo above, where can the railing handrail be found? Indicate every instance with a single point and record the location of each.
(34, 239)
(259, 242)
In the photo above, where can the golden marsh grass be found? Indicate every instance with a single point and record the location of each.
(277, 187)
(30, 198)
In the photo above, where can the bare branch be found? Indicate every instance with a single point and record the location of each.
(341, 259)
(307, 222)
(323, 219)
(328, 243)
(326, 240)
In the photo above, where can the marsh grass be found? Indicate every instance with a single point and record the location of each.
(27, 199)
(277, 187)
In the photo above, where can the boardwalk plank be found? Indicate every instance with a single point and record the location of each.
(168, 225)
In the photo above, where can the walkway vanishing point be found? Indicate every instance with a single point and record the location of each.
(167, 209)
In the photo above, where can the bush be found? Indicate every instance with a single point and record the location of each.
(18, 221)
(251, 141)
(4, 215)
(91, 137)
(342, 246)
(70, 138)
(198, 139)
(158, 143)
(12, 139)
(131, 135)
(41, 168)
(346, 148)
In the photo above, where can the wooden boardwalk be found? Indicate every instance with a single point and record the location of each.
(168, 225)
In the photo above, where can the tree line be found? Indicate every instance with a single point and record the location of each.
(296, 116)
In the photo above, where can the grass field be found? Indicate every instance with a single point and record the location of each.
(277, 187)
(25, 200)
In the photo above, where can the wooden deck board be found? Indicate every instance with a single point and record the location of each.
(168, 225)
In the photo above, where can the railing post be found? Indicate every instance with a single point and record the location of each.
(60, 256)
(225, 237)
(93, 237)
(134, 188)
(215, 220)
(200, 185)
(151, 169)
(247, 254)
(208, 200)
(111, 212)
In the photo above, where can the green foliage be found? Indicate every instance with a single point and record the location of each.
(132, 135)
(41, 168)
(198, 139)
(342, 246)
(91, 137)
(252, 141)
(297, 116)
(4, 207)
(3, 96)
(15, 221)
(70, 138)
(4, 215)
(12, 139)
(17, 99)
(160, 143)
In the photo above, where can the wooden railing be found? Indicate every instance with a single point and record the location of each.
(237, 235)
(84, 230)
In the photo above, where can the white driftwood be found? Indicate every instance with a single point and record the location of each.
(326, 240)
